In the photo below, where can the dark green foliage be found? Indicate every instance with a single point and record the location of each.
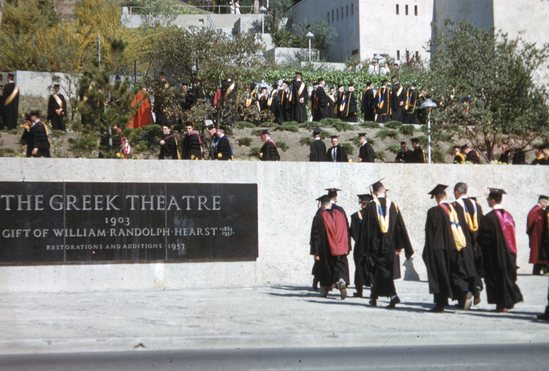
(394, 148)
(406, 130)
(306, 141)
(370, 125)
(349, 148)
(244, 141)
(244, 124)
(392, 124)
(336, 124)
(287, 127)
(84, 145)
(268, 125)
(387, 133)
(282, 146)
(380, 156)
(254, 152)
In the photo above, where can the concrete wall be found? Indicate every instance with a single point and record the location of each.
(282, 56)
(39, 84)
(286, 192)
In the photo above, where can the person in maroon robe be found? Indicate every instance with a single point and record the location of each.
(497, 240)
(534, 229)
(330, 245)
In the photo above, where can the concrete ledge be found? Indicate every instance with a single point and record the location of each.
(286, 192)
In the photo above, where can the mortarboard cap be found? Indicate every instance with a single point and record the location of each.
(334, 136)
(264, 132)
(324, 199)
(496, 192)
(11, 76)
(333, 191)
(365, 197)
(34, 113)
(439, 189)
(414, 140)
(316, 131)
(361, 135)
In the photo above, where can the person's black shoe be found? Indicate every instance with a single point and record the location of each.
(394, 301)
(315, 284)
(373, 302)
(357, 295)
(545, 315)
(437, 309)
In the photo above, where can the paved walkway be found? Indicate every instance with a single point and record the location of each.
(255, 317)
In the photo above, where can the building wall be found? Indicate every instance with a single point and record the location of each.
(402, 36)
(286, 194)
(341, 16)
(477, 12)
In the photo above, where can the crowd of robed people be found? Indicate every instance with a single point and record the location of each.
(465, 251)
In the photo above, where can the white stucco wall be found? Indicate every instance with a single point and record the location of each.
(383, 31)
(286, 193)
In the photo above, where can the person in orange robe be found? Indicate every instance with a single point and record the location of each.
(143, 115)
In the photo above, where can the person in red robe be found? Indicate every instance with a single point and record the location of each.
(143, 115)
(534, 229)
(330, 245)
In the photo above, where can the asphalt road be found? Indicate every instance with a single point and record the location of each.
(483, 357)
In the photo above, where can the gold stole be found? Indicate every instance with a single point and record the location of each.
(379, 94)
(270, 100)
(457, 231)
(472, 223)
(12, 96)
(383, 220)
(349, 103)
(399, 91)
(301, 88)
(58, 100)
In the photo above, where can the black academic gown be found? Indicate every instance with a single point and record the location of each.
(362, 275)
(10, 110)
(57, 121)
(383, 104)
(274, 106)
(329, 269)
(169, 150)
(317, 151)
(332, 106)
(191, 148)
(410, 105)
(477, 253)
(416, 156)
(269, 151)
(500, 268)
(368, 104)
(366, 153)
(340, 154)
(351, 107)
(299, 109)
(37, 137)
(320, 105)
(397, 103)
(380, 248)
(439, 243)
(220, 149)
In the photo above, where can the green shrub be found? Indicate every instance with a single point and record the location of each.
(336, 124)
(268, 125)
(406, 129)
(244, 125)
(380, 156)
(349, 148)
(387, 133)
(394, 148)
(287, 127)
(254, 152)
(282, 146)
(306, 141)
(370, 125)
(393, 124)
(244, 141)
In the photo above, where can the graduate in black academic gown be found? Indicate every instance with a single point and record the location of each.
(220, 147)
(273, 102)
(192, 145)
(268, 151)
(336, 153)
(330, 245)
(410, 113)
(368, 102)
(383, 103)
(417, 156)
(362, 271)
(366, 152)
(332, 103)
(438, 249)
(57, 106)
(351, 108)
(36, 137)
(496, 238)
(10, 103)
(320, 102)
(397, 101)
(470, 213)
(169, 148)
(299, 99)
(317, 148)
(383, 236)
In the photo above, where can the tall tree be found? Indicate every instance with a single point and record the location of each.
(486, 87)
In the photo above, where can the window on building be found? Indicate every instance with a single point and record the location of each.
(397, 9)
(328, 17)
(333, 18)
(341, 13)
(398, 55)
(352, 9)
(337, 14)
(346, 10)
(415, 9)
(417, 55)
(406, 9)
(407, 56)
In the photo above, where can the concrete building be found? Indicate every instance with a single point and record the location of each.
(403, 28)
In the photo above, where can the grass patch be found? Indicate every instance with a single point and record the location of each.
(244, 125)
(336, 124)
(349, 148)
(246, 141)
(380, 156)
(305, 141)
(370, 125)
(287, 127)
(393, 124)
(282, 146)
(387, 133)
(407, 129)
(254, 152)
(393, 148)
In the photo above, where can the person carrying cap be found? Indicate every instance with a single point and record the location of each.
(382, 237)
(330, 245)
(336, 153)
(268, 151)
(362, 271)
(497, 240)
(10, 103)
(36, 137)
(317, 148)
(57, 106)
